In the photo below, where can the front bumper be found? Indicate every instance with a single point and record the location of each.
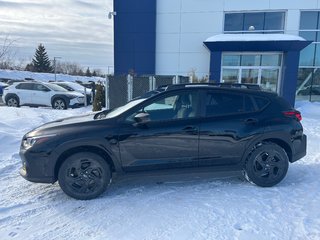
(76, 102)
(36, 167)
(299, 148)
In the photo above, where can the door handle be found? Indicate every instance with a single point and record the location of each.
(190, 130)
(251, 121)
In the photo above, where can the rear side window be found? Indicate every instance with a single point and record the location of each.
(222, 103)
(25, 86)
(261, 102)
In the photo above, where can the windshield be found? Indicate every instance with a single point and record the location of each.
(65, 86)
(56, 87)
(117, 111)
(75, 86)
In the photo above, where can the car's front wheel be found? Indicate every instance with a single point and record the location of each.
(266, 165)
(84, 175)
(59, 104)
(12, 101)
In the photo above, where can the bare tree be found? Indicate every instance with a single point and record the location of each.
(7, 53)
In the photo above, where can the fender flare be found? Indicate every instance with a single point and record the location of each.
(97, 146)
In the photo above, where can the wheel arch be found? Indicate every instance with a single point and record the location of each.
(85, 148)
(283, 145)
(54, 97)
(280, 142)
(8, 95)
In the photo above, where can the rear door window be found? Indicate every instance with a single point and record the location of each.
(261, 102)
(225, 103)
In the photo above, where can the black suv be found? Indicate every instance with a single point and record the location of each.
(186, 128)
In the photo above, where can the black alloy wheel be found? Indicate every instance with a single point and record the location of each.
(84, 176)
(266, 165)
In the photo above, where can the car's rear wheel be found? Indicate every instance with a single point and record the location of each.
(12, 101)
(84, 175)
(59, 104)
(266, 165)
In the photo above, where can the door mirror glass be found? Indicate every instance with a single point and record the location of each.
(142, 118)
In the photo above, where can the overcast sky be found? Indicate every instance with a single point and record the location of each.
(76, 30)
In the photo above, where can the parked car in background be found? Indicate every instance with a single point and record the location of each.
(76, 87)
(186, 128)
(2, 86)
(41, 94)
(309, 90)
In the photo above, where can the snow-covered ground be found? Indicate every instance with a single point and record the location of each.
(185, 208)
(45, 77)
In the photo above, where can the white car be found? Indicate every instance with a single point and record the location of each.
(76, 87)
(41, 94)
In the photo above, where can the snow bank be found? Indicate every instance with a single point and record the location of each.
(178, 207)
(20, 75)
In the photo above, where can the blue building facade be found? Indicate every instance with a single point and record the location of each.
(224, 41)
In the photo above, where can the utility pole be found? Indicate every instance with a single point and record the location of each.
(55, 67)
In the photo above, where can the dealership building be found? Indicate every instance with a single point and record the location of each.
(269, 42)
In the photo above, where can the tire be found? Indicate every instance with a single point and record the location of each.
(266, 165)
(84, 176)
(12, 101)
(59, 104)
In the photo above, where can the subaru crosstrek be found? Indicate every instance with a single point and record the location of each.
(186, 128)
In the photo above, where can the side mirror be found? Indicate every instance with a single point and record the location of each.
(142, 118)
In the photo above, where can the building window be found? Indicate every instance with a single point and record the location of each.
(258, 22)
(308, 87)
(256, 68)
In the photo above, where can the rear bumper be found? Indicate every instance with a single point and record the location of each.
(300, 148)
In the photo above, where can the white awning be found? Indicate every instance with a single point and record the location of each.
(253, 37)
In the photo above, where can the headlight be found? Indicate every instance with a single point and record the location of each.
(30, 141)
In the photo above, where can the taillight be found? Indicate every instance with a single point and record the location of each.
(293, 113)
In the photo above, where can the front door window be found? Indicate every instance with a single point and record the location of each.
(263, 69)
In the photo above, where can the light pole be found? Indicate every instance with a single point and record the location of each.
(109, 67)
(55, 67)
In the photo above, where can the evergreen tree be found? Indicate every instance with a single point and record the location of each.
(99, 98)
(29, 67)
(94, 74)
(41, 62)
(80, 72)
(88, 73)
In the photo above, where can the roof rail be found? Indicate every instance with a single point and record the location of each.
(221, 85)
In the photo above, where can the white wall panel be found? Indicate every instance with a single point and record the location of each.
(167, 63)
(202, 5)
(199, 62)
(202, 22)
(246, 5)
(293, 4)
(168, 6)
(168, 23)
(193, 42)
(183, 25)
(168, 43)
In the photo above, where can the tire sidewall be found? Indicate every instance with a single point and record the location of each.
(13, 97)
(77, 157)
(249, 166)
(56, 99)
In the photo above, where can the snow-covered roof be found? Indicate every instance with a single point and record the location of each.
(253, 37)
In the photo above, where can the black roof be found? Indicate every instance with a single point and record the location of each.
(255, 87)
